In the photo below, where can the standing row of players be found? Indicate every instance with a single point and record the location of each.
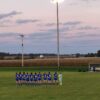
(30, 78)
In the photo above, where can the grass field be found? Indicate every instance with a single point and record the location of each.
(76, 86)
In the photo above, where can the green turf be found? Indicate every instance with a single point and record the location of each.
(76, 86)
(46, 68)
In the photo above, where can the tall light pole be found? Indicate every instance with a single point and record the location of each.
(22, 44)
(58, 39)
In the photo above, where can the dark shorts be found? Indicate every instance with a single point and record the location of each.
(35, 79)
(55, 79)
(45, 78)
(20, 79)
(23, 79)
(39, 79)
(49, 79)
(31, 79)
(27, 79)
(17, 79)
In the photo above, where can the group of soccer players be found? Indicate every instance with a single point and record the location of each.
(36, 78)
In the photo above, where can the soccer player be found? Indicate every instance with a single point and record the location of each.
(17, 79)
(94, 68)
(49, 77)
(39, 76)
(44, 78)
(20, 78)
(35, 78)
(55, 77)
(23, 77)
(27, 79)
(31, 78)
(60, 79)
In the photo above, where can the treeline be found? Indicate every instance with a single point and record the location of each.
(89, 54)
(4, 55)
(30, 54)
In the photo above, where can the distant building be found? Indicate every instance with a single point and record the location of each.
(41, 56)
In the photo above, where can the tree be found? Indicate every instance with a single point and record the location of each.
(98, 53)
(78, 55)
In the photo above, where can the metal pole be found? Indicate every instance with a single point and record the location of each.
(22, 37)
(58, 50)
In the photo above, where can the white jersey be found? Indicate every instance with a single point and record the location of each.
(60, 79)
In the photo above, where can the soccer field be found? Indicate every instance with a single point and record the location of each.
(76, 86)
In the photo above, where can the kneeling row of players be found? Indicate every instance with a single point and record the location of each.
(30, 78)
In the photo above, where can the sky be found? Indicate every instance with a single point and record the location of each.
(79, 22)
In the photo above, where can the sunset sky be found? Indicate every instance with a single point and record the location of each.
(36, 19)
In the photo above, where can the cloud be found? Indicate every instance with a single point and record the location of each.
(8, 34)
(68, 23)
(80, 35)
(84, 2)
(10, 14)
(77, 25)
(5, 23)
(26, 21)
(46, 40)
(88, 28)
(47, 33)
(50, 24)
(3, 26)
(44, 35)
(68, 27)
(71, 23)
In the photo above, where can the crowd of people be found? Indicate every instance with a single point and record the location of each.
(26, 78)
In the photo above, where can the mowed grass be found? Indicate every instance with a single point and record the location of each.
(76, 86)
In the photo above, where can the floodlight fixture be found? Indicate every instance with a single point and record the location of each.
(57, 1)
